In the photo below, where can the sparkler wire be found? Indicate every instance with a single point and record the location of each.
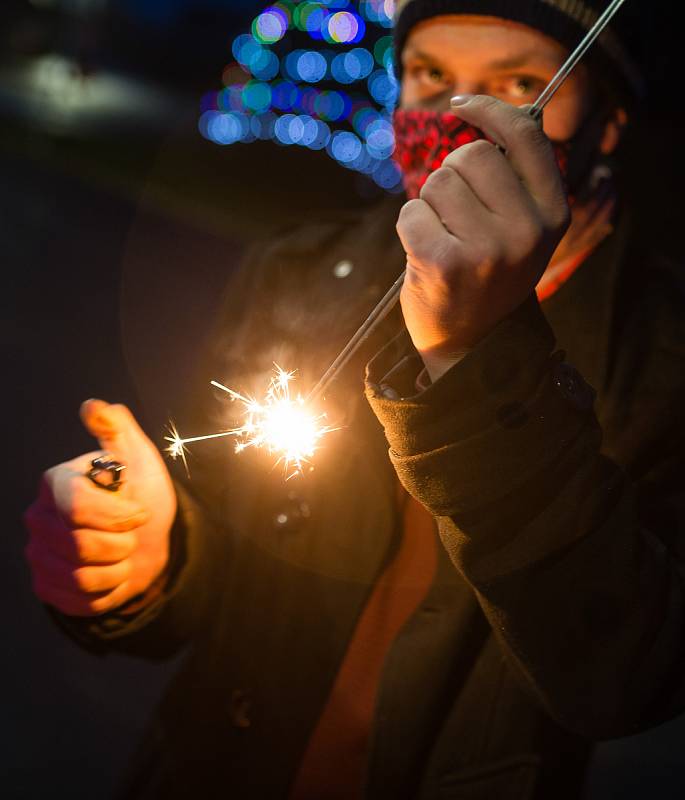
(374, 319)
(257, 429)
(392, 296)
(575, 57)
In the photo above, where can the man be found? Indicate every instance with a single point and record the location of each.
(338, 649)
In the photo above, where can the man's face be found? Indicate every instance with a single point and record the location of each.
(463, 54)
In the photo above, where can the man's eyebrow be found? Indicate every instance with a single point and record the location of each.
(410, 51)
(520, 60)
(527, 59)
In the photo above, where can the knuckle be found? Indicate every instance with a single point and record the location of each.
(85, 548)
(470, 153)
(438, 179)
(126, 570)
(85, 580)
(127, 544)
(100, 605)
(407, 212)
(74, 505)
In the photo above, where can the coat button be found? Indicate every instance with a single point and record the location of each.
(343, 268)
(291, 514)
(572, 387)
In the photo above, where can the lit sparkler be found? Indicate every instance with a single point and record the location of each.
(281, 424)
(285, 426)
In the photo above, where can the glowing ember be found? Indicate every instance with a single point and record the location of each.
(280, 424)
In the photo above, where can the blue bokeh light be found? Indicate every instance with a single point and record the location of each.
(355, 65)
(345, 146)
(383, 88)
(380, 139)
(315, 22)
(344, 27)
(379, 12)
(280, 100)
(282, 129)
(262, 125)
(225, 129)
(388, 176)
(271, 25)
(311, 66)
(265, 66)
(285, 95)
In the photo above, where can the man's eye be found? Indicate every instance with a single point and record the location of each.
(521, 87)
(435, 75)
(429, 75)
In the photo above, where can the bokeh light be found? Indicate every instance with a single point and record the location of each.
(344, 27)
(383, 88)
(265, 66)
(311, 66)
(380, 139)
(257, 96)
(380, 12)
(334, 90)
(383, 51)
(345, 146)
(271, 25)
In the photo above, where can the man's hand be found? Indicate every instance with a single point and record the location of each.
(481, 234)
(91, 550)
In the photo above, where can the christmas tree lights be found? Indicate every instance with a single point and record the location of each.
(336, 92)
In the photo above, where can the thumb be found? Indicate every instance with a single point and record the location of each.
(113, 425)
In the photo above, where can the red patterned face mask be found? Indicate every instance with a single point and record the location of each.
(423, 139)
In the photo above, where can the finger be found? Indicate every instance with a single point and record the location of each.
(74, 604)
(113, 425)
(65, 576)
(527, 148)
(491, 178)
(77, 466)
(426, 242)
(84, 505)
(454, 201)
(79, 546)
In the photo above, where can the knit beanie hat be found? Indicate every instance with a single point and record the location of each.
(615, 58)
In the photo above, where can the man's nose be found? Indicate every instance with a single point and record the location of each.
(441, 102)
(465, 86)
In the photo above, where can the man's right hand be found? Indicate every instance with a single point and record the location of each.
(91, 550)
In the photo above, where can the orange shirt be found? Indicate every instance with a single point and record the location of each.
(334, 763)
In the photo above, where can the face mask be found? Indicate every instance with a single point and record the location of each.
(423, 139)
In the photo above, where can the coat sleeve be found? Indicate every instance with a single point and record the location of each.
(583, 589)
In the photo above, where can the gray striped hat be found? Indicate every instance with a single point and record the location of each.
(615, 57)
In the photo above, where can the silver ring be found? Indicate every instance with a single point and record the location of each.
(106, 473)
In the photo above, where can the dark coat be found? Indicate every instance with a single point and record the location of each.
(557, 614)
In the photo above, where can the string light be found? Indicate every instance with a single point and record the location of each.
(335, 95)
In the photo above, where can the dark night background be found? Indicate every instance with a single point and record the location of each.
(100, 192)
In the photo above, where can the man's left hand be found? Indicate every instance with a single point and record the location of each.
(481, 234)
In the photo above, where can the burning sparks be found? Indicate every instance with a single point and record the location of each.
(280, 424)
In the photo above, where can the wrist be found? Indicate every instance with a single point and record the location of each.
(438, 364)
